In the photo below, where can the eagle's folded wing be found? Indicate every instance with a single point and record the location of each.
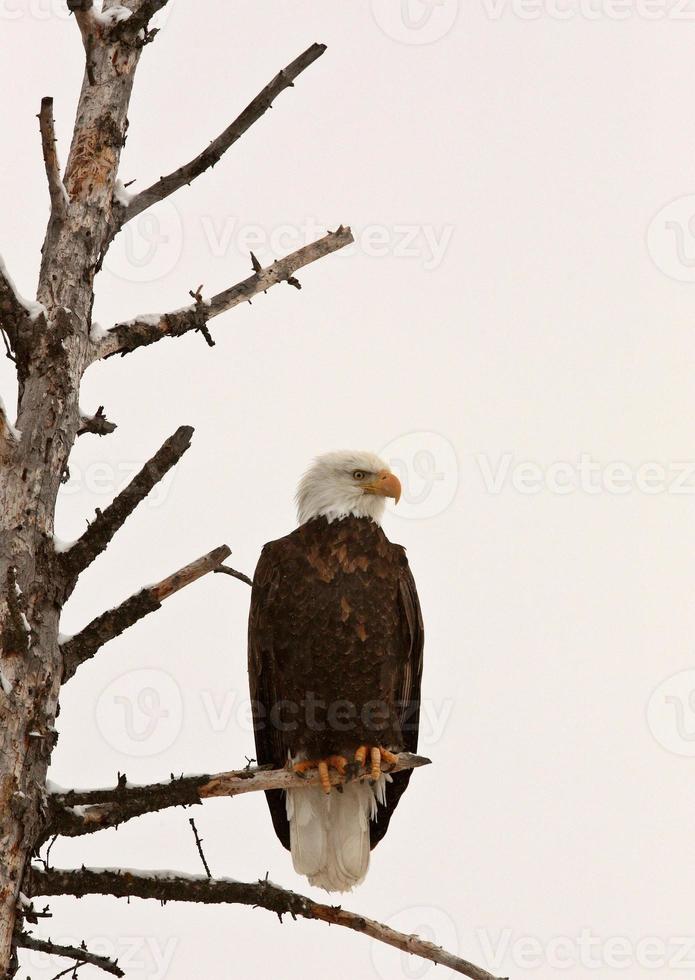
(270, 746)
(408, 682)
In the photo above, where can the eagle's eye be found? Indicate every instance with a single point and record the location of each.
(358, 475)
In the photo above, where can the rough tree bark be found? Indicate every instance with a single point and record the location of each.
(52, 344)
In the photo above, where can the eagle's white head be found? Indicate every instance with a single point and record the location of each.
(346, 484)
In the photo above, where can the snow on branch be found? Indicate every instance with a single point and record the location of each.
(77, 812)
(56, 188)
(128, 336)
(167, 886)
(98, 535)
(14, 311)
(80, 954)
(212, 154)
(113, 622)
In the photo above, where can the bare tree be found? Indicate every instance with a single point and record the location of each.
(52, 343)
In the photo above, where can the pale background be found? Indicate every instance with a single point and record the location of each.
(517, 295)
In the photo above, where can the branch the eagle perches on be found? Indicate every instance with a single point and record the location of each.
(52, 342)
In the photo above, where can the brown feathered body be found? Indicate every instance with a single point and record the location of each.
(335, 652)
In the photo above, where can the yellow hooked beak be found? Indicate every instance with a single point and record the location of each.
(385, 485)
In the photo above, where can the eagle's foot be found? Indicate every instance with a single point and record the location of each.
(337, 762)
(376, 754)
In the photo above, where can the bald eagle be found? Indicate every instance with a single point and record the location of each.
(335, 661)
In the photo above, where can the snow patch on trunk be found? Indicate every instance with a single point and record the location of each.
(15, 433)
(112, 16)
(33, 308)
(5, 683)
(121, 194)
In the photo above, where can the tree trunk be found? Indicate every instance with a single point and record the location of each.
(52, 351)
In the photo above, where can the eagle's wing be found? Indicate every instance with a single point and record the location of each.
(407, 689)
(270, 747)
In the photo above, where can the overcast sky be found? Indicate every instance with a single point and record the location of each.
(514, 331)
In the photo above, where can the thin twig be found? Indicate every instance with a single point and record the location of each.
(199, 845)
(78, 812)
(128, 336)
(56, 188)
(8, 347)
(211, 155)
(226, 570)
(96, 538)
(168, 887)
(72, 970)
(46, 862)
(113, 622)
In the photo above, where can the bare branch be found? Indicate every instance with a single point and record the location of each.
(211, 155)
(100, 532)
(139, 20)
(13, 312)
(78, 953)
(128, 336)
(226, 570)
(84, 15)
(113, 622)
(168, 887)
(97, 425)
(56, 188)
(99, 809)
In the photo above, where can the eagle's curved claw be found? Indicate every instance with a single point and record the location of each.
(337, 762)
(377, 755)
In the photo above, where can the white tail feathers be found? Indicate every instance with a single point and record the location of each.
(329, 833)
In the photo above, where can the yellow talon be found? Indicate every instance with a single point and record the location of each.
(337, 762)
(324, 778)
(301, 768)
(377, 756)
